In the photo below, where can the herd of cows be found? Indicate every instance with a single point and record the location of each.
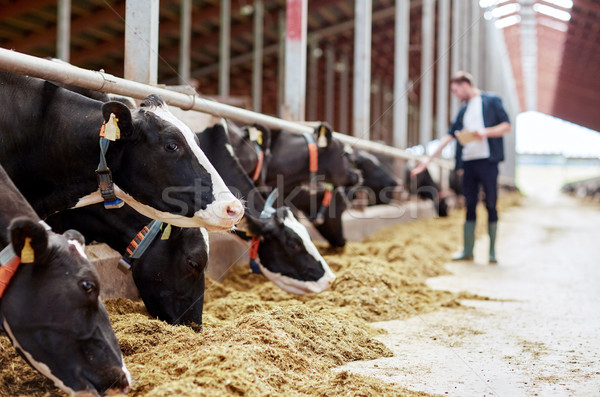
(70, 160)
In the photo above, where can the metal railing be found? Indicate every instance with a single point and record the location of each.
(16, 62)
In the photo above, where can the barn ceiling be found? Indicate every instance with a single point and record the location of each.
(568, 61)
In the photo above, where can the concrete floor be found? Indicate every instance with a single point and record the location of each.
(540, 333)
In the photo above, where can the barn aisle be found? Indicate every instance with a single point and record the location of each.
(538, 332)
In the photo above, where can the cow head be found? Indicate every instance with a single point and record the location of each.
(158, 153)
(332, 228)
(244, 141)
(288, 257)
(170, 275)
(333, 165)
(54, 317)
(376, 176)
(290, 160)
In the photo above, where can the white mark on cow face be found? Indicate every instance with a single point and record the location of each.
(125, 371)
(295, 286)
(323, 283)
(205, 237)
(226, 210)
(41, 367)
(230, 149)
(79, 248)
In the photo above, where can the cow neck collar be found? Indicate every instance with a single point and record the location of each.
(9, 263)
(140, 243)
(267, 212)
(260, 154)
(325, 203)
(313, 161)
(104, 175)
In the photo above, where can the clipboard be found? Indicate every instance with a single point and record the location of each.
(465, 137)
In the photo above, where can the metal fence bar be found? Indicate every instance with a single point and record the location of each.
(16, 62)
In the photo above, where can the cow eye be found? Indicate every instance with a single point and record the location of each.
(171, 147)
(88, 286)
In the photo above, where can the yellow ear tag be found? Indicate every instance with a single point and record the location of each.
(255, 135)
(27, 255)
(166, 233)
(322, 141)
(111, 130)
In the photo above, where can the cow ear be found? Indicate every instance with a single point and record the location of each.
(29, 239)
(123, 115)
(259, 134)
(266, 136)
(73, 234)
(323, 135)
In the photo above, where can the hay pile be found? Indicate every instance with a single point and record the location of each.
(258, 340)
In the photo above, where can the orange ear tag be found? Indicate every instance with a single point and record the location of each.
(27, 255)
(111, 129)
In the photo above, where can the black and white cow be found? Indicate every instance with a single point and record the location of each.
(50, 148)
(378, 178)
(50, 308)
(426, 188)
(289, 164)
(325, 214)
(288, 257)
(169, 274)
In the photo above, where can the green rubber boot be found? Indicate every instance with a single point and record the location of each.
(469, 242)
(492, 227)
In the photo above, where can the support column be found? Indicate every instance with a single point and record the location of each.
(330, 84)
(475, 40)
(362, 68)
(401, 55)
(63, 30)
(281, 64)
(344, 94)
(257, 56)
(529, 53)
(442, 68)
(465, 39)
(141, 41)
(377, 102)
(224, 48)
(295, 59)
(185, 39)
(314, 53)
(455, 51)
(427, 68)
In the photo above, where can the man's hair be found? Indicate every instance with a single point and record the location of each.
(462, 77)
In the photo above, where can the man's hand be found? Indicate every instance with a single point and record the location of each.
(422, 166)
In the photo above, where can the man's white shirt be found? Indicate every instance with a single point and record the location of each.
(473, 121)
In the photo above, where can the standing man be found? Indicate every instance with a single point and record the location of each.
(484, 121)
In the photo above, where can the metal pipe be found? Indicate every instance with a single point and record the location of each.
(362, 69)
(295, 59)
(15, 62)
(257, 61)
(427, 69)
(224, 48)
(401, 55)
(185, 40)
(63, 31)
